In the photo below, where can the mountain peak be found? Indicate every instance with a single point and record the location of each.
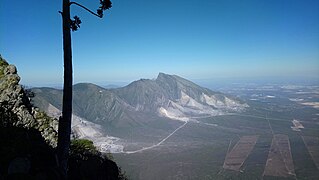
(162, 75)
(144, 100)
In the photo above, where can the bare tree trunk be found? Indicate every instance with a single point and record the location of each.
(65, 121)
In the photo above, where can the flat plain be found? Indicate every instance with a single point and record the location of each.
(260, 143)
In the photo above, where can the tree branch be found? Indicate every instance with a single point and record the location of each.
(85, 9)
(61, 13)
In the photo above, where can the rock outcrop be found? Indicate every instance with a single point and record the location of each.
(14, 100)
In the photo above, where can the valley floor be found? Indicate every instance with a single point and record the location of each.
(275, 139)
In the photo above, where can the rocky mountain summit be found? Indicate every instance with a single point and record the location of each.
(14, 100)
(177, 98)
(168, 96)
(144, 107)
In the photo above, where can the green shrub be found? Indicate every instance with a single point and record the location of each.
(82, 148)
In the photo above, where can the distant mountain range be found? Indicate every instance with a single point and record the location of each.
(142, 102)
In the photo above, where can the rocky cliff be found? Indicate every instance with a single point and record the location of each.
(14, 100)
(28, 138)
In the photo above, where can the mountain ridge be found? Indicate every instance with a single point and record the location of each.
(168, 96)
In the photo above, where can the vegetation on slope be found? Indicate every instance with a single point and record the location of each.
(28, 140)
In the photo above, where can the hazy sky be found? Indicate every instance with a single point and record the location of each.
(196, 39)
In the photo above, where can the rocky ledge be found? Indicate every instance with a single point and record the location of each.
(14, 100)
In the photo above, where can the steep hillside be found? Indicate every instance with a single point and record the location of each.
(142, 107)
(14, 100)
(28, 137)
(93, 103)
(176, 98)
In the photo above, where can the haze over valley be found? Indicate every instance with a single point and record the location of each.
(168, 100)
(170, 128)
(160, 90)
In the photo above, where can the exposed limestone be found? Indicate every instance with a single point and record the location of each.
(10, 69)
(13, 99)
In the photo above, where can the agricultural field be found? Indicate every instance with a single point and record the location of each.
(237, 156)
(312, 144)
(276, 138)
(279, 162)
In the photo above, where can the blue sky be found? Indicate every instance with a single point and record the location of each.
(204, 39)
